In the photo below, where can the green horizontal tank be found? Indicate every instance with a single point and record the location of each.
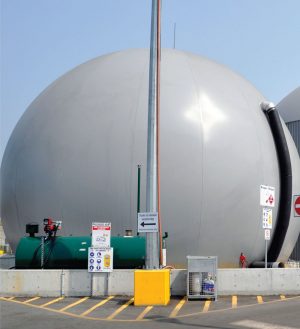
(72, 252)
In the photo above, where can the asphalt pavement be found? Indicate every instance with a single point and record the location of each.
(276, 312)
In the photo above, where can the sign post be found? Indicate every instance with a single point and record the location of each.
(267, 199)
(267, 238)
(267, 226)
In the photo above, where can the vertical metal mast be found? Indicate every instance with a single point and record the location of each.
(158, 42)
(152, 248)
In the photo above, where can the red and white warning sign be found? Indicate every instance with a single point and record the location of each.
(297, 205)
(267, 196)
(101, 235)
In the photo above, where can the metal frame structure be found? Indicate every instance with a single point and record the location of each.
(202, 277)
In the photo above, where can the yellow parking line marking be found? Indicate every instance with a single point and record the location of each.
(234, 301)
(260, 299)
(199, 313)
(120, 309)
(177, 307)
(10, 298)
(73, 304)
(97, 305)
(146, 310)
(31, 299)
(282, 297)
(52, 301)
(206, 306)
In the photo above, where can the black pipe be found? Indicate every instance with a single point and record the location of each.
(261, 264)
(285, 195)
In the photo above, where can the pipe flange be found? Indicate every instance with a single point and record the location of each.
(267, 106)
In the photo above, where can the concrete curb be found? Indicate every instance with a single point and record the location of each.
(72, 283)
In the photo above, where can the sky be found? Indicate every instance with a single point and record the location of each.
(43, 39)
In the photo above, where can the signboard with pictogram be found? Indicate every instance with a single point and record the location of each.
(267, 196)
(100, 260)
(267, 218)
(297, 205)
(101, 233)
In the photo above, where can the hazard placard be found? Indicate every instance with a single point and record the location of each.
(101, 233)
(267, 196)
(297, 205)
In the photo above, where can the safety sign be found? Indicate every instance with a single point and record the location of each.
(100, 260)
(147, 222)
(101, 233)
(297, 205)
(267, 234)
(267, 218)
(267, 196)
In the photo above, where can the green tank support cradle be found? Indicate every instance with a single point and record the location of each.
(72, 252)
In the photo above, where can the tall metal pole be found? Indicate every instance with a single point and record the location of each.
(266, 254)
(138, 194)
(158, 42)
(138, 191)
(152, 248)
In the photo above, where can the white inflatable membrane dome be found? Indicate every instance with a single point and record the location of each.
(73, 156)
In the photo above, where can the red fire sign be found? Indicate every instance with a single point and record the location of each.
(271, 199)
(297, 206)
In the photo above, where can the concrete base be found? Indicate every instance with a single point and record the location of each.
(52, 283)
(259, 281)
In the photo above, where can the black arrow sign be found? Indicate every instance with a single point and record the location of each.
(144, 224)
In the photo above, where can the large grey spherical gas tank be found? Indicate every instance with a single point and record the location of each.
(74, 154)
